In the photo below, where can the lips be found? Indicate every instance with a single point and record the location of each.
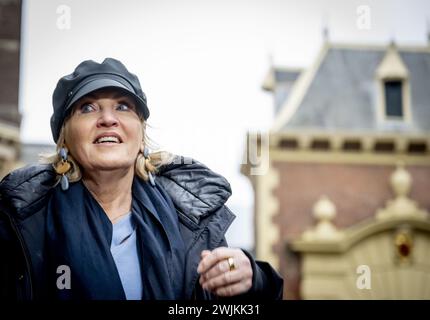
(108, 137)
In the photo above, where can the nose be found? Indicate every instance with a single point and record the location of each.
(107, 118)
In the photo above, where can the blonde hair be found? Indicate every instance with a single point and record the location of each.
(142, 165)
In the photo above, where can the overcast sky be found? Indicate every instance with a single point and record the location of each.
(201, 64)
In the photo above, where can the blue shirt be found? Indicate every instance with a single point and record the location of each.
(125, 255)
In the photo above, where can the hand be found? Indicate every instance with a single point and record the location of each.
(217, 276)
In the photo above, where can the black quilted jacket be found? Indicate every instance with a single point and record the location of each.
(198, 193)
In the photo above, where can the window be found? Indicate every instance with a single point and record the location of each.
(393, 98)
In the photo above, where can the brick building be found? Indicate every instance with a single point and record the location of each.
(10, 119)
(341, 129)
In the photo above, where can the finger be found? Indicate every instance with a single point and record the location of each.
(225, 279)
(204, 253)
(217, 270)
(240, 261)
(220, 268)
(216, 255)
(234, 289)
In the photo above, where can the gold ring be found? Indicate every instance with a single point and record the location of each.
(231, 264)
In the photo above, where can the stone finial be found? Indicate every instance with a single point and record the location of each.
(401, 206)
(401, 181)
(324, 209)
(324, 212)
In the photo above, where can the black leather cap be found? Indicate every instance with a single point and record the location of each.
(90, 76)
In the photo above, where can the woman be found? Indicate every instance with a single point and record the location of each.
(104, 219)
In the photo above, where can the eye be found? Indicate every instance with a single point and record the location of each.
(124, 107)
(87, 107)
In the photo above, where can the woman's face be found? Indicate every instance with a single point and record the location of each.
(104, 131)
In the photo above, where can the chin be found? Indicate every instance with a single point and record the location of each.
(113, 165)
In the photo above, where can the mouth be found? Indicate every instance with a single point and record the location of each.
(108, 138)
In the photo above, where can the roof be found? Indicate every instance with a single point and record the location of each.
(340, 92)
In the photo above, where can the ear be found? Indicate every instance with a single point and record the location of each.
(142, 147)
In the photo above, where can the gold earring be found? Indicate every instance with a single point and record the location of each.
(62, 167)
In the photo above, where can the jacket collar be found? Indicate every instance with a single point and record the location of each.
(195, 189)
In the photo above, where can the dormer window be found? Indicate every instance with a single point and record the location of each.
(393, 98)
(392, 78)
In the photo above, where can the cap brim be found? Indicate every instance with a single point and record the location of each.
(97, 84)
